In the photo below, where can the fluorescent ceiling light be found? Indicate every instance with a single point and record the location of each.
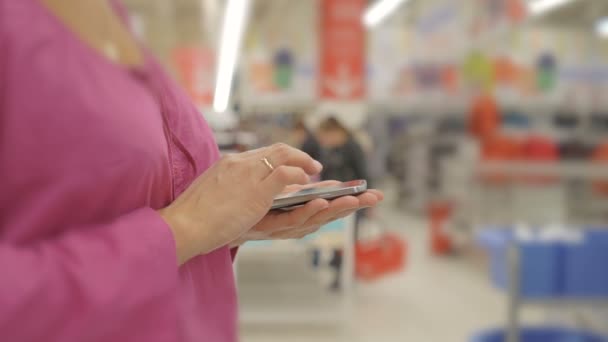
(379, 10)
(601, 27)
(235, 18)
(538, 7)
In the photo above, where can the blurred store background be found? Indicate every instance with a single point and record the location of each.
(486, 123)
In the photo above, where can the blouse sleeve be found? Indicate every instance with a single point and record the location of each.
(89, 282)
(3, 66)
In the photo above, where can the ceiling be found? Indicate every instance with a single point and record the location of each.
(579, 13)
(182, 22)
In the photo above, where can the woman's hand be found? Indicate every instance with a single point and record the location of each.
(305, 220)
(234, 195)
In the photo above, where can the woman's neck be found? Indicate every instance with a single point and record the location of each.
(97, 24)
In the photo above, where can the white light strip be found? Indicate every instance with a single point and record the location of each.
(601, 27)
(379, 11)
(235, 18)
(538, 7)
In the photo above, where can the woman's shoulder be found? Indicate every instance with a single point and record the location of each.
(3, 18)
(3, 42)
(8, 10)
(16, 19)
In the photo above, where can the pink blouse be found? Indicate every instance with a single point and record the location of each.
(88, 150)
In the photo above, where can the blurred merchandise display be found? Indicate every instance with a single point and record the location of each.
(547, 69)
(479, 70)
(195, 68)
(600, 156)
(575, 150)
(599, 122)
(500, 148)
(540, 149)
(484, 119)
(548, 334)
(283, 68)
(566, 120)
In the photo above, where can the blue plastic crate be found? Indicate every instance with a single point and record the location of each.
(540, 263)
(541, 335)
(585, 266)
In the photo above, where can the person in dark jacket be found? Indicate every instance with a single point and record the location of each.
(342, 156)
(305, 140)
(343, 159)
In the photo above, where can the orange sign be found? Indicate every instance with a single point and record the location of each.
(196, 71)
(342, 62)
(516, 10)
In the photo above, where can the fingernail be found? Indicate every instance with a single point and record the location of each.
(318, 165)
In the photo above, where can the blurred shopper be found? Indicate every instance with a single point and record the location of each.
(342, 155)
(116, 214)
(343, 159)
(305, 140)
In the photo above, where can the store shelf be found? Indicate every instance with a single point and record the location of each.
(561, 169)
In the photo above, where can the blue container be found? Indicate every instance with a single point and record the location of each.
(585, 266)
(541, 335)
(540, 272)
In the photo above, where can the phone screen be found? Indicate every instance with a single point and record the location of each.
(320, 191)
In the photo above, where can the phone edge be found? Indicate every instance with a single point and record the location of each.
(354, 190)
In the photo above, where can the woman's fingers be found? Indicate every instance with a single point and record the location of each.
(330, 217)
(283, 176)
(336, 206)
(379, 194)
(310, 226)
(282, 154)
(298, 217)
(345, 206)
(368, 199)
(294, 234)
(298, 187)
(327, 183)
(338, 216)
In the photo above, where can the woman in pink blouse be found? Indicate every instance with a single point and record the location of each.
(116, 213)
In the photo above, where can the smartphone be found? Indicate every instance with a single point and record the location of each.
(295, 199)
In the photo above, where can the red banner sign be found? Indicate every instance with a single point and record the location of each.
(342, 62)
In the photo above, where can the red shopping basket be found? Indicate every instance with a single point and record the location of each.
(600, 156)
(379, 257)
(439, 217)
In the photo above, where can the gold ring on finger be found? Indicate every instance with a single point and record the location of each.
(268, 164)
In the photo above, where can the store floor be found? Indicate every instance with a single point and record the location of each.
(433, 300)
